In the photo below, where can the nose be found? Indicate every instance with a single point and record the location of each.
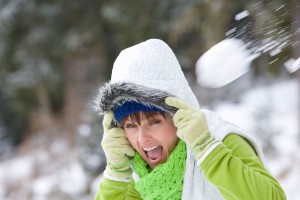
(143, 136)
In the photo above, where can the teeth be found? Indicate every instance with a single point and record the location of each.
(150, 148)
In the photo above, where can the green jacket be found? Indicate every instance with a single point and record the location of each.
(233, 167)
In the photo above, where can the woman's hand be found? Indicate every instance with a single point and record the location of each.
(117, 149)
(191, 126)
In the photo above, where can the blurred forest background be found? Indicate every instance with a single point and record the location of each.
(55, 54)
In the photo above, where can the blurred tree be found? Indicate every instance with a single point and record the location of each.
(54, 54)
(51, 53)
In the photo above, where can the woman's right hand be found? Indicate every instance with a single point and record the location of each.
(117, 149)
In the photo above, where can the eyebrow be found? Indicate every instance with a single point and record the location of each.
(129, 121)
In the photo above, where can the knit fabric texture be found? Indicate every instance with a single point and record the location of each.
(164, 182)
(130, 107)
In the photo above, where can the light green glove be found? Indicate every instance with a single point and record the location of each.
(117, 149)
(191, 127)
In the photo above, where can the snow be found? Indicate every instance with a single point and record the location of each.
(22, 167)
(292, 65)
(9, 10)
(95, 184)
(223, 63)
(70, 179)
(271, 34)
(14, 171)
(275, 52)
(58, 146)
(43, 185)
(241, 15)
(280, 7)
(84, 130)
(73, 180)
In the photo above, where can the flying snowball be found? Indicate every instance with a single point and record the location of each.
(223, 63)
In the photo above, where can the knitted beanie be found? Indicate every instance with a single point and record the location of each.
(130, 107)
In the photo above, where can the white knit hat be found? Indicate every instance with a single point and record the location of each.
(153, 64)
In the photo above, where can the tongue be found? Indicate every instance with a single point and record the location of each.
(155, 153)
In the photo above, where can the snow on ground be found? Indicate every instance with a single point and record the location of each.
(42, 175)
(271, 114)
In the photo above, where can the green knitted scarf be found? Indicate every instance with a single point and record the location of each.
(166, 180)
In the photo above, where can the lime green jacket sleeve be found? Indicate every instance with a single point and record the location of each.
(235, 169)
(116, 190)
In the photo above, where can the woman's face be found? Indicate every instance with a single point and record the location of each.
(154, 138)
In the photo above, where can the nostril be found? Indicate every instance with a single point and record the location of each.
(144, 139)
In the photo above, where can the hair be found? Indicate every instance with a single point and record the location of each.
(137, 116)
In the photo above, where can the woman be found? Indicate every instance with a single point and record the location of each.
(160, 145)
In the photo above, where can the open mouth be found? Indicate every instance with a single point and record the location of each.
(154, 154)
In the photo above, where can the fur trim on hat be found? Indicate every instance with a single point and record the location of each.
(112, 95)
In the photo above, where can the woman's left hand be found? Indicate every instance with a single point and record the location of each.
(191, 126)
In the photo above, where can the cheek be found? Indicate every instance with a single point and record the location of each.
(170, 137)
(132, 139)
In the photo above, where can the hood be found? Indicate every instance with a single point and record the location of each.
(147, 73)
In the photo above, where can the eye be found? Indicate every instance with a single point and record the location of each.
(129, 125)
(155, 121)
